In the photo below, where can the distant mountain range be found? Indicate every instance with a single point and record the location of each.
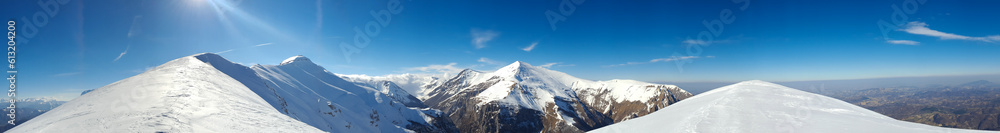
(524, 98)
(207, 93)
(26, 109)
(972, 105)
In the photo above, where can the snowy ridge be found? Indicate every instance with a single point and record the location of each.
(551, 101)
(414, 84)
(389, 89)
(551, 84)
(538, 86)
(623, 90)
(207, 93)
(297, 58)
(759, 106)
(309, 93)
(183, 95)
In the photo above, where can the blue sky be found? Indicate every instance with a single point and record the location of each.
(89, 44)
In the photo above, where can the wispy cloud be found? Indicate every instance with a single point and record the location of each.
(732, 39)
(133, 30)
(220, 52)
(230, 50)
(702, 42)
(674, 58)
(904, 42)
(122, 54)
(489, 61)
(920, 28)
(548, 65)
(530, 47)
(265, 44)
(627, 63)
(67, 74)
(319, 15)
(692, 41)
(147, 68)
(481, 37)
(555, 64)
(448, 69)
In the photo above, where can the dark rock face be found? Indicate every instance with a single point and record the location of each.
(621, 111)
(440, 124)
(458, 100)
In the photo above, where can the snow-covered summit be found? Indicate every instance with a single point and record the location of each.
(297, 58)
(760, 106)
(415, 84)
(513, 67)
(183, 95)
(208, 93)
(309, 93)
(564, 100)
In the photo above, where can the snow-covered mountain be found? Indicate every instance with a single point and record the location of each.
(45, 103)
(390, 86)
(183, 95)
(759, 106)
(27, 109)
(524, 98)
(207, 93)
(309, 93)
(415, 84)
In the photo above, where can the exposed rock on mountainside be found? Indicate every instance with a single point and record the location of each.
(524, 98)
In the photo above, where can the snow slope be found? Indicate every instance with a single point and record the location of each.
(309, 93)
(183, 95)
(388, 88)
(763, 107)
(414, 84)
(524, 98)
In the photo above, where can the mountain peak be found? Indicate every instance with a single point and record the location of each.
(513, 68)
(520, 63)
(517, 64)
(211, 58)
(293, 59)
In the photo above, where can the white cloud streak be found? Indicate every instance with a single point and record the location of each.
(265, 44)
(903, 42)
(549, 65)
(920, 28)
(230, 50)
(530, 47)
(122, 54)
(675, 58)
(223, 51)
(133, 30)
(702, 42)
(489, 61)
(67, 74)
(481, 37)
(447, 69)
(692, 41)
